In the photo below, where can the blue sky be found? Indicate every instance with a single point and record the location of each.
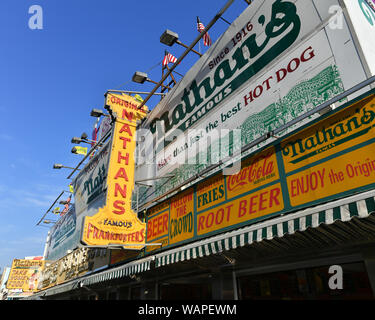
(50, 79)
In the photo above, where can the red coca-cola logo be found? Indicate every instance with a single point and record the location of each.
(260, 168)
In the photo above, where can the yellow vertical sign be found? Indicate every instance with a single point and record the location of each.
(116, 223)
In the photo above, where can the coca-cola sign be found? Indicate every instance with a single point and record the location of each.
(258, 171)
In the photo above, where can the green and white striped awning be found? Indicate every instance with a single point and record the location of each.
(360, 206)
(122, 271)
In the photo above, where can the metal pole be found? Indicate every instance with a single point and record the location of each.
(156, 178)
(51, 207)
(185, 46)
(90, 151)
(217, 16)
(152, 81)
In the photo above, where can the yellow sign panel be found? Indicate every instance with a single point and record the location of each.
(341, 131)
(80, 150)
(255, 172)
(117, 223)
(158, 226)
(24, 274)
(181, 220)
(349, 171)
(210, 193)
(252, 206)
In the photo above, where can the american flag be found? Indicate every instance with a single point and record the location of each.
(168, 58)
(94, 135)
(206, 38)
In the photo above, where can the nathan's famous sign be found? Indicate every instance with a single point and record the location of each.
(116, 222)
(24, 274)
(278, 60)
(326, 160)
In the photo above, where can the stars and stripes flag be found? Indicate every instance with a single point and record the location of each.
(206, 38)
(168, 58)
(94, 135)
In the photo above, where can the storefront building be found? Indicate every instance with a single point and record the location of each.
(291, 218)
(288, 256)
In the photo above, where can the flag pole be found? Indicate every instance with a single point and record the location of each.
(174, 80)
(199, 43)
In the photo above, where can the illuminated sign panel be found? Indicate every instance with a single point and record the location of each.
(116, 222)
(326, 160)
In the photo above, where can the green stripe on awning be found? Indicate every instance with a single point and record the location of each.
(322, 217)
(309, 221)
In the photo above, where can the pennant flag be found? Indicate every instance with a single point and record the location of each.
(138, 98)
(206, 38)
(168, 58)
(80, 150)
(56, 210)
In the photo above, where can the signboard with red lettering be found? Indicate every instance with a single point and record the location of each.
(24, 274)
(326, 160)
(116, 223)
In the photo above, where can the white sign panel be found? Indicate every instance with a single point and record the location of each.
(278, 60)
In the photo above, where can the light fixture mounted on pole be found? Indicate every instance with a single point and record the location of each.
(141, 77)
(60, 166)
(97, 113)
(169, 38)
(83, 139)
